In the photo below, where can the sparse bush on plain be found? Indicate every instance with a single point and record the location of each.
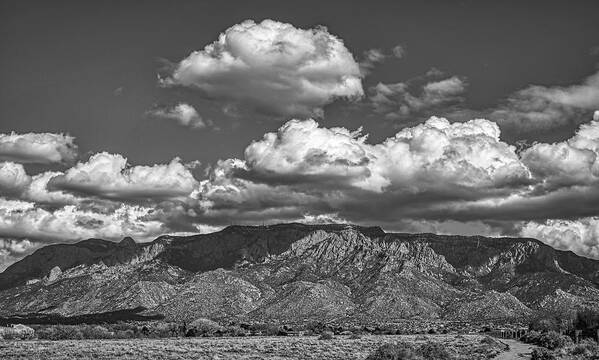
(203, 327)
(326, 335)
(553, 340)
(434, 351)
(402, 350)
(355, 336)
(542, 354)
(60, 332)
(398, 351)
(587, 349)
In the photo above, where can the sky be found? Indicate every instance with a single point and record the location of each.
(158, 117)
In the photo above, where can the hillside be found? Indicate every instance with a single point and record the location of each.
(293, 273)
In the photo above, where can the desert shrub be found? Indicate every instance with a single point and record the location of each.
(326, 335)
(235, 331)
(398, 351)
(531, 337)
(95, 332)
(316, 327)
(13, 336)
(587, 349)
(495, 343)
(125, 334)
(542, 354)
(355, 336)
(552, 340)
(434, 351)
(205, 327)
(60, 332)
(162, 330)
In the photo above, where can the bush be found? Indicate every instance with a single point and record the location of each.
(552, 340)
(542, 354)
(494, 342)
(405, 351)
(96, 332)
(399, 351)
(587, 348)
(355, 336)
(204, 327)
(326, 335)
(434, 351)
(60, 332)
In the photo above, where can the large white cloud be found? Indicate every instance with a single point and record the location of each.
(43, 148)
(571, 162)
(429, 155)
(272, 67)
(109, 175)
(580, 236)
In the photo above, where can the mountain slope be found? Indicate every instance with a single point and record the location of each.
(294, 273)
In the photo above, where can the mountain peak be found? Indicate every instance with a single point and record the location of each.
(127, 242)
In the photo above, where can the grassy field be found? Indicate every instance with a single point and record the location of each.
(271, 348)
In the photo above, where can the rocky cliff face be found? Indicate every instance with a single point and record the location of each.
(293, 273)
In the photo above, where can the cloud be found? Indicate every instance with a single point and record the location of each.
(13, 178)
(273, 68)
(41, 148)
(38, 191)
(418, 97)
(23, 220)
(16, 183)
(12, 250)
(184, 114)
(372, 57)
(580, 236)
(399, 51)
(568, 163)
(537, 106)
(109, 176)
(458, 154)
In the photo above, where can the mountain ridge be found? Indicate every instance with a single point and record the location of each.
(297, 272)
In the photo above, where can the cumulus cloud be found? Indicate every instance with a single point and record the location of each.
(433, 154)
(184, 114)
(109, 176)
(13, 178)
(580, 236)
(539, 106)
(568, 163)
(417, 97)
(41, 148)
(273, 68)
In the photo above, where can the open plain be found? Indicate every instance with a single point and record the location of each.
(468, 347)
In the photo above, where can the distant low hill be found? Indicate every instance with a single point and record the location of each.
(292, 273)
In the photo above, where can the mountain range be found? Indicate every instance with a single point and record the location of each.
(291, 273)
